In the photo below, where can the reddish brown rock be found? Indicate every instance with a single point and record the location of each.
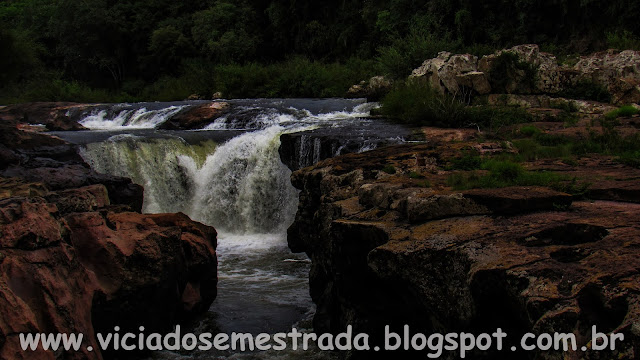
(91, 271)
(50, 114)
(404, 248)
(144, 264)
(75, 259)
(88, 198)
(196, 117)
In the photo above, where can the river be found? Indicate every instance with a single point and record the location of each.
(231, 175)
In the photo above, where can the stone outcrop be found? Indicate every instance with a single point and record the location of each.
(53, 115)
(76, 256)
(196, 117)
(401, 247)
(616, 71)
(373, 89)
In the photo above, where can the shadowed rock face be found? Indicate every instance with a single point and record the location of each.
(387, 251)
(76, 256)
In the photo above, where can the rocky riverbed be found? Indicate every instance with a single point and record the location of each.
(392, 243)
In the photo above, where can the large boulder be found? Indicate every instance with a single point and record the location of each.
(448, 72)
(373, 89)
(196, 117)
(87, 272)
(618, 71)
(547, 72)
(524, 69)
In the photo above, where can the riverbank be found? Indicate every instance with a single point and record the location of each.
(77, 256)
(471, 233)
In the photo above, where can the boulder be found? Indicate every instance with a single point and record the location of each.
(90, 271)
(618, 71)
(196, 117)
(373, 89)
(534, 72)
(450, 73)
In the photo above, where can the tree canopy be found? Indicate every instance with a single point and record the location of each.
(127, 44)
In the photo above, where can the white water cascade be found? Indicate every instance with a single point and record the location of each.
(239, 187)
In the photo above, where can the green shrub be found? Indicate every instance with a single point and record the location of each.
(631, 158)
(415, 175)
(506, 67)
(552, 139)
(623, 40)
(624, 111)
(587, 90)
(404, 54)
(530, 150)
(493, 118)
(389, 169)
(469, 161)
(295, 77)
(503, 173)
(567, 106)
(529, 130)
(415, 102)
(506, 171)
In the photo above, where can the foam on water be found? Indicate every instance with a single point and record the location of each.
(129, 118)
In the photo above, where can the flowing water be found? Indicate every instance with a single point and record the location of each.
(230, 175)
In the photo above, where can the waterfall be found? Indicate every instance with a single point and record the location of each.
(239, 187)
(153, 163)
(243, 187)
(127, 117)
(231, 175)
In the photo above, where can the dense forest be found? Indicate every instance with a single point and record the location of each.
(97, 50)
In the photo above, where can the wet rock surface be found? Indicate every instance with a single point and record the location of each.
(78, 257)
(196, 117)
(389, 247)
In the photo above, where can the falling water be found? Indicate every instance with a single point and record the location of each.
(241, 187)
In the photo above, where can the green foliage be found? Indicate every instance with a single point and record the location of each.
(566, 106)
(168, 45)
(415, 102)
(469, 161)
(170, 48)
(502, 174)
(531, 149)
(631, 158)
(224, 32)
(389, 169)
(20, 56)
(415, 175)
(587, 90)
(529, 130)
(404, 54)
(623, 40)
(624, 111)
(508, 66)
(494, 118)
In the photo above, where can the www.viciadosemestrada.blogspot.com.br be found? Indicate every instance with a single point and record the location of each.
(433, 344)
